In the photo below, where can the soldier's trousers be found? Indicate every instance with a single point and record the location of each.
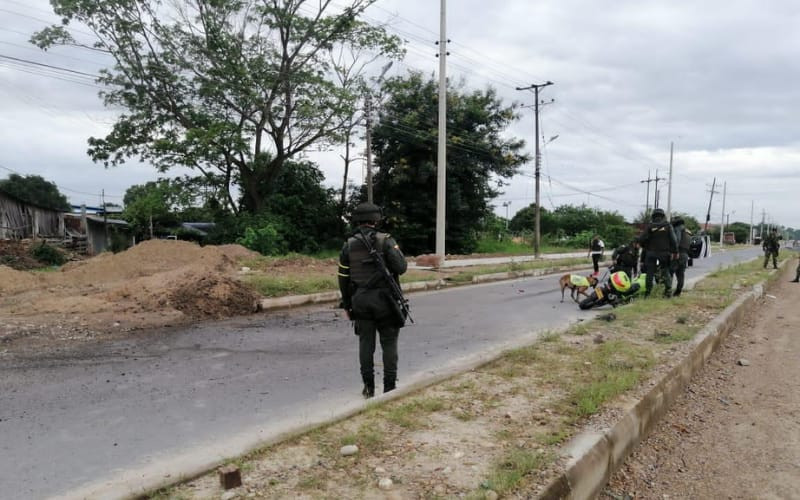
(679, 270)
(657, 263)
(774, 254)
(366, 330)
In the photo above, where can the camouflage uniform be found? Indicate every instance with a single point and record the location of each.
(366, 296)
(771, 246)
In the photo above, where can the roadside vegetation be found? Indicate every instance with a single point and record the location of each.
(497, 429)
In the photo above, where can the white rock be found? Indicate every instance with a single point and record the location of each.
(380, 470)
(458, 455)
(385, 483)
(743, 362)
(348, 450)
(491, 495)
(245, 269)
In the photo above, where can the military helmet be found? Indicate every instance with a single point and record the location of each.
(677, 221)
(367, 212)
(658, 213)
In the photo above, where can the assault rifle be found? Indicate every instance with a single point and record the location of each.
(399, 303)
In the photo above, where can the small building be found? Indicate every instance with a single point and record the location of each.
(19, 220)
(96, 233)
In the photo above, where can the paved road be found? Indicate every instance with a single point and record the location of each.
(171, 401)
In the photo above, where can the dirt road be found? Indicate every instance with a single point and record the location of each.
(735, 432)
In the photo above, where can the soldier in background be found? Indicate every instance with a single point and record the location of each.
(659, 246)
(678, 268)
(366, 296)
(771, 245)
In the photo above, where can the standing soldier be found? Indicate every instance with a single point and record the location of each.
(596, 247)
(771, 246)
(366, 296)
(683, 236)
(659, 245)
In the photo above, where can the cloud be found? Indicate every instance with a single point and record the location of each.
(717, 78)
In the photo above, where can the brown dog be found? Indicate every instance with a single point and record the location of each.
(572, 281)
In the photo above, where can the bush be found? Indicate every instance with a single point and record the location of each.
(48, 255)
(265, 239)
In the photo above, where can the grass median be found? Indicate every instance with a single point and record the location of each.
(276, 277)
(497, 429)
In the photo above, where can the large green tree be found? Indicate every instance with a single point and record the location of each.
(35, 190)
(233, 88)
(479, 157)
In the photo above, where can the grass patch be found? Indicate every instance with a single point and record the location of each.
(270, 286)
(411, 414)
(609, 370)
(368, 436)
(509, 472)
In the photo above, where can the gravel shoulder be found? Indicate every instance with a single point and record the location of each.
(734, 432)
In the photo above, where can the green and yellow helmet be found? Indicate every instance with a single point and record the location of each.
(620, 281)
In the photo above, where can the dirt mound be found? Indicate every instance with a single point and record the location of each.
(212, 296)
(11, 279)
(151, 257)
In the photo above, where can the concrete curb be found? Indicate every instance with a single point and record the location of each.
(269, 304)
(593, 457)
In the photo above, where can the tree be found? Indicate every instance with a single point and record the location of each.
(35, 190)
(232, 88)
(479, 158)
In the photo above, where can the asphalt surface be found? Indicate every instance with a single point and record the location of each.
(167, 401)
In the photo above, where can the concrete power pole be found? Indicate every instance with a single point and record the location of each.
(750, 237)
(722, 222)
(441, 166)
(537, 162)
(368, 112)
(669, 184)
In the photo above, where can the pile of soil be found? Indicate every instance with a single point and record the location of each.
(151, 284)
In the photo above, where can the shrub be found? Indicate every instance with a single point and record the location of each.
(48, 255)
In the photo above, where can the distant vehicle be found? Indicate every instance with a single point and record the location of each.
(729, 239)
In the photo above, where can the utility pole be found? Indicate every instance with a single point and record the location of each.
(647, 200)
(368, 112)
(506, 204)
(761, 229)
(722, 222)
(537, 162)
(105, 217)
(441, 164)
(655, 192)
(669, 185)
(708, 212)
(750, 237)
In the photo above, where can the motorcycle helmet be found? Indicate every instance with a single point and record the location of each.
(620, 281)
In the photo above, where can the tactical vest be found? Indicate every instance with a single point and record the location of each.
(684, 241)
(363, 269)
(659, 237)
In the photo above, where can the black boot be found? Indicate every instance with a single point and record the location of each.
(369, 387)
(796, 280)
(388, 385)
(368, 391)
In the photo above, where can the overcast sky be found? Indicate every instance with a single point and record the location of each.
(717, 78)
